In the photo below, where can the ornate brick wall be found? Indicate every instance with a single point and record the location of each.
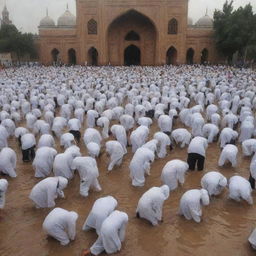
(103, 25)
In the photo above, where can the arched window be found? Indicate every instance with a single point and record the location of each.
(132, 36)
(173, 27)
(92, 27)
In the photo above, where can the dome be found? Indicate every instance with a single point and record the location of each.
(190, 21)
(205, 21)
(67, 19)
(47, 22)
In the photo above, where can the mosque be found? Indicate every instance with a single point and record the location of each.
(127, 32)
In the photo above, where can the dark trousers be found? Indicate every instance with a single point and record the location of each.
(252, 181)
(150, 113)
(28, 154)
(193, 159)
(76, 134)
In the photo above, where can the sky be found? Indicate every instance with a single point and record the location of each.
(26, 14)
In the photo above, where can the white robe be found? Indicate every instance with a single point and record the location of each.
(165, 123)
(173, 173)
(252, 239)
(139, 165)
(138, 137)
(90, 119)
(116, 153)
(58, 125)
(8, 160)
(120, 134)
(44, 193)
(67, 140)
(112, 233)
(88, 172)
(3, 137)
(151, 203)
(127, 122)
(43, 161)
(182, 136)
(46, 140)
(101, 209)
(3, 189)
(240, 188)
(92, 135)
(163, 142)
(214, 183)
(191, 204)
(93, 149)
(229, 153)
(104, 123)
(226, 135)
(210, 131)
(61, 224)
(249, 147)
(63, 162)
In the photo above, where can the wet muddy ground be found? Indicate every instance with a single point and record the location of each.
(224, 229)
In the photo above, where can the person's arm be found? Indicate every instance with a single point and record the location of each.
(71, 229)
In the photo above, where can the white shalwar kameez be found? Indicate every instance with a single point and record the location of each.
(229, 153)
(191, 204)
(173, 173)
(112, 234)
(44, 193)
(240, 188)
(139, 165)
(43, 161)
(116, 153)
(101, 209)
(88, 172)
(151, 203)
(61, 225)
(214, 183)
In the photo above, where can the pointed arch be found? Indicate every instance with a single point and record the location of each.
(92, 57)
(71, 56)
(171, 56)
(132, 55)
(190, 56)
(173, 27)
(132, 36)
(92, 27)
(204, 56)
(55, 53)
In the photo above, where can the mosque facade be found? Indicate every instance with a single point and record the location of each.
(127, 32)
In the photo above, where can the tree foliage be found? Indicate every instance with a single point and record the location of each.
(235, 30)
(12, 40)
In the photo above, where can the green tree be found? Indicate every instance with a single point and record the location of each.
(12, 40)
(235, 30)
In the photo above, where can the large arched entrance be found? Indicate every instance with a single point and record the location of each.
(92, 57)
(132, 28)
(71, 57)
(171, 56)
(132, 55)
(190, 56)
(55, 55)
(204, 56)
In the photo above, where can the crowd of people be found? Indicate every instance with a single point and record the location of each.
(191, 106)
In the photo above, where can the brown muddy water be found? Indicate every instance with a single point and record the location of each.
(224, 229)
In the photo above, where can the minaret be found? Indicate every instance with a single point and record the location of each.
(5, 16)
